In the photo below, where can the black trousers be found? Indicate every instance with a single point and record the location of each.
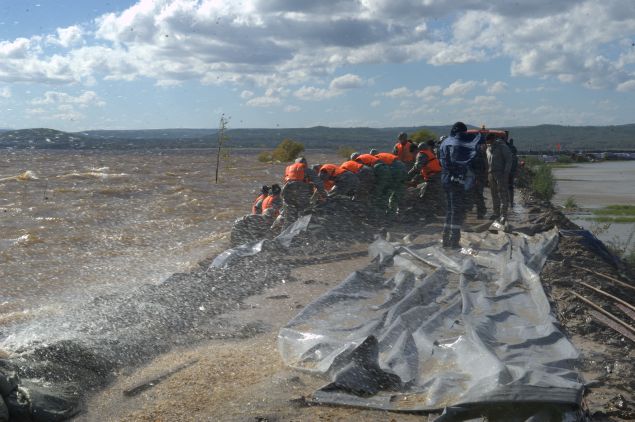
(455, 196)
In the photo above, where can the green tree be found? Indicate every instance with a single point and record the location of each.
(422, 136)
(543, 182)
(287, 150)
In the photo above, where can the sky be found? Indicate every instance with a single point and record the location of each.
(85, 64)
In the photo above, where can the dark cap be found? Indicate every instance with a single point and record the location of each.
(264, 189)
(275, 189)
(403, 136)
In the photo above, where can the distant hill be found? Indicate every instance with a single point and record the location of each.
(527, 138)
(171, 134)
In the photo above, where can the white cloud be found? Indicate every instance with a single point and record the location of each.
(375, 103)
(346, 82)
(429, 93)
(5, 92)
(292, 109)
(290, 43)
(497, 88)
(311, 93)
(246, 94)
(627, 86)
(67, 37)
(263, 102)
(459, 87)
(398, 93)
(87, 98)
(338, 86)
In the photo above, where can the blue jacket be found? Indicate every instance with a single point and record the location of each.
(456, 155)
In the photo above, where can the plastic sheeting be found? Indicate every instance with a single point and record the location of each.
(230, 256)
(425, 329)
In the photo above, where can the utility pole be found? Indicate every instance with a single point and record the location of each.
(221, 139)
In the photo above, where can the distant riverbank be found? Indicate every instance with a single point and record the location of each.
(594, 186)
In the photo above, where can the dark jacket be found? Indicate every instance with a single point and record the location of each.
(499, 158)
(456, 155)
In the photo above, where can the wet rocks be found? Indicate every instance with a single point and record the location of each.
(24, 401)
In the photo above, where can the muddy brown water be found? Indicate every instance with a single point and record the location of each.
(77, 224)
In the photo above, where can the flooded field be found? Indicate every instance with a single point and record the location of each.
(597, 185)
(75, 224)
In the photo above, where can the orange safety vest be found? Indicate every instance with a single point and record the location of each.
(332, 170)
(404, 153)
(386, 157)
(352, 166)
(367, 159)
(295, 173)
(268, 203)
(253, 206)
(433, 166)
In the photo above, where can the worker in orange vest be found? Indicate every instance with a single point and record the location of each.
(256, 207)
(273, 201)
(299, 182)
(426, 162)
(405, 150)
(383, 179)
(398, 174)
(344, 182)
(366, 176)
(428, 168)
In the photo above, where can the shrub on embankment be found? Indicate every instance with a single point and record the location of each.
(538, 177)
(286, 151)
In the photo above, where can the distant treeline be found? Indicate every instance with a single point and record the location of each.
(526, 138)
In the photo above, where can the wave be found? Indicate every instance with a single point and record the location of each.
(93, 175)
(22, 177)
(25, 239)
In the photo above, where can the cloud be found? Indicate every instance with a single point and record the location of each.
(67, 37)
(338, 86)
(375, 103)
(429, 93)
(497, 88)
(291, 43)
(292, 109)
(459, 87)
(246, 94)
(311, 93)
(626, 86)
(5, 92)
(263, 101)
(87, 98)
(398, 93)
(346, 82)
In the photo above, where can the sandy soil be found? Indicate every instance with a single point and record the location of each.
(244, 379)
(239, 379)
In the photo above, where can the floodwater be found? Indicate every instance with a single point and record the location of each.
(596, 185)
(75, 224)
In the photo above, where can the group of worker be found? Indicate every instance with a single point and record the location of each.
(375, 180)
(450, 180)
